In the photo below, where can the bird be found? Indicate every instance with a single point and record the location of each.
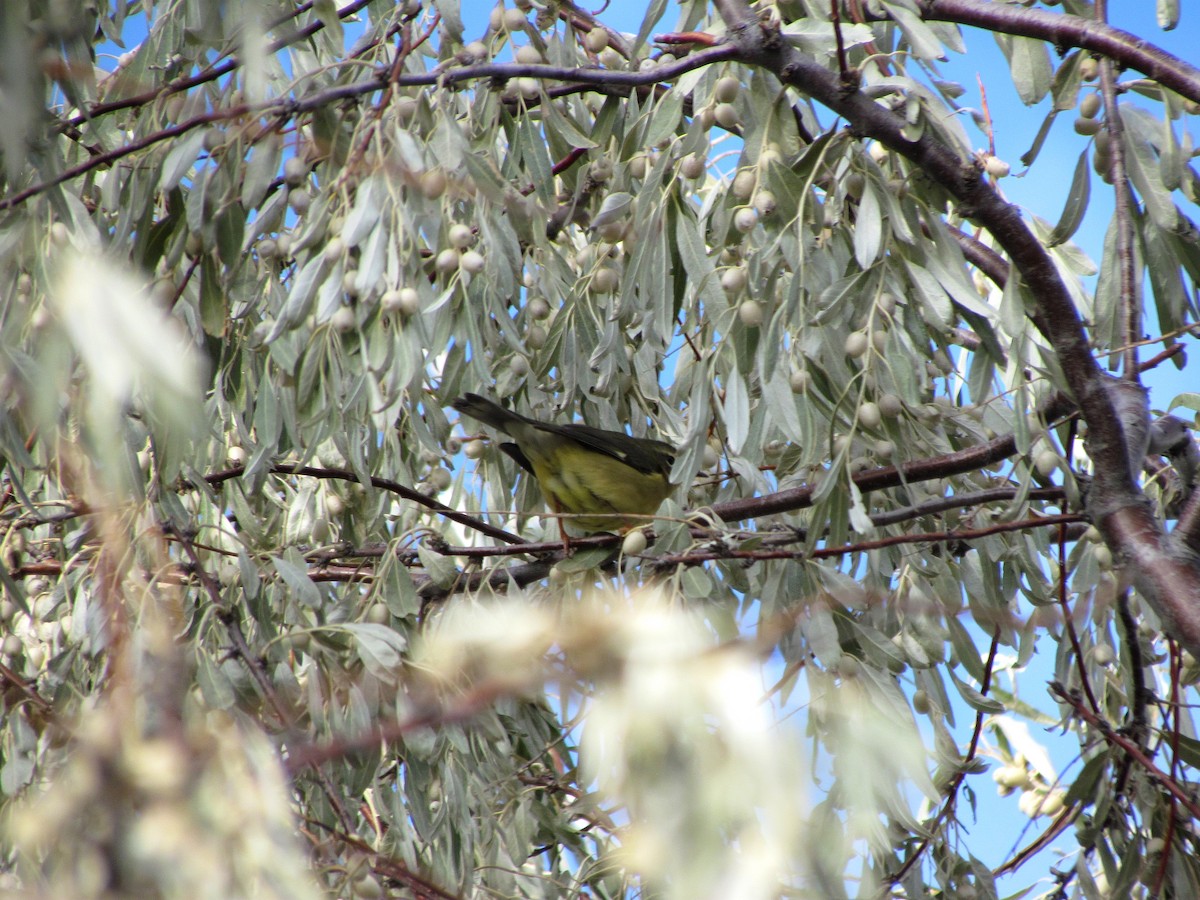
(607, 480)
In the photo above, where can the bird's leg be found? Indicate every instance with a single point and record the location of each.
(562, 528)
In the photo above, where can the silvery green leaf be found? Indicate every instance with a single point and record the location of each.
(1077, 202)
(181, 158)
(380, 648)
(125, 340)
(654, 12)
(452, 20)
(921, 38)
(260, 171)
(1029, 64)
(820, 631)
(1142, 163)
(296, 578)
(300, 297)
(815, 36)
(365, 213)
(974, 699)
(868, 227)
(614, 208)
(860, 519)
(564, 127)
(737, 410)
(1167, 12)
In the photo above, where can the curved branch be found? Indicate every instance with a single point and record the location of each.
(602, 79)
(215, 71)
(385, 484)
(943, 466)
(982, 257)
(1167, 782)
(1072, 31)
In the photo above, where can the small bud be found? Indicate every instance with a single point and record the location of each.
(529, 55)
(472, 261)
(869, 415)
(751, 313)
(765, 202)
(734, 279)
(447, 261)
(295, 171)
(997, 167)
(743, 184)
(433, 183)
(461, 236)
(727, 89)
(745, 219)
(856, 344)
(726, 116)
(595, 40)
(515, 20)
(635, 543)
(693, 166)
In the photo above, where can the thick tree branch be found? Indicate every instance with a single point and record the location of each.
(1071, 31)
(943, 466)
(982, 257)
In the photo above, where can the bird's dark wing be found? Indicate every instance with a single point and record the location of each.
(522, 460)
(642, 454)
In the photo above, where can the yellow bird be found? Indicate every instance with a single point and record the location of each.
(607, 480)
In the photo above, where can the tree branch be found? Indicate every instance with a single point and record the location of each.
(960, 775)
(1182, 796)
(1130, 288)
(289, 107)
(1072, 31)
(213, 72)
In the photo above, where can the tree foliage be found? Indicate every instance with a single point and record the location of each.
(277, 623)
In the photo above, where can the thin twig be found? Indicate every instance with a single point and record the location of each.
(1171, 785)
(835, 14)
(964, 534)
(960, 775)
(212, 73)
(1069, 621)
(468, 706)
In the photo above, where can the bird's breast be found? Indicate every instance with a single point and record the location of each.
(602, 492)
